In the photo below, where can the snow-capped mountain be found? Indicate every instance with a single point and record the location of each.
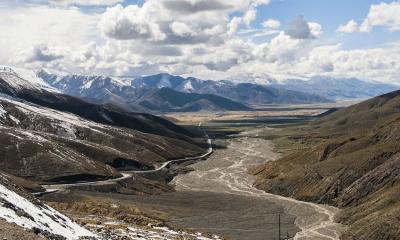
(131, 93)
(338, 88)
(18, 79)
(169, 100)
(47, 137)
(54, 137)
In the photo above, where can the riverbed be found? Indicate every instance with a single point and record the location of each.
(218, 197)
(227, 172)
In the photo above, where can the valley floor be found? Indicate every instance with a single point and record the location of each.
(218, 197)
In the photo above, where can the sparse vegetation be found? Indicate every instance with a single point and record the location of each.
(349, 159)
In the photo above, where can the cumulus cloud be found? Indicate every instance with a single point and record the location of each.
(271, 23)
(233, 25)
(181, 29)
(129, 23)
(41, 53)
(85, 2)
(350, 27)
(383, 15)
(249, 16)
(217, 42)
(315, 29)
(222, 66)
(190, 6)
(299, 29)
(154, 23)
(380, 15)
(29, 27)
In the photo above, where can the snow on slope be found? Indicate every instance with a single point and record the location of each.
(67, 81)
(23, 79)
(19, 210)
(188, 87)
(65, 120)
(2, 112)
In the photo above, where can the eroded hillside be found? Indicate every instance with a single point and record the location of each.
(349, 159)
(47, 136)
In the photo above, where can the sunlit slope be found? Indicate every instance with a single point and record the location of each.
(351, 159)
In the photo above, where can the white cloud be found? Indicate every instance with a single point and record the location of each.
(299, 28)
(315, 29)
(85, 2)
(249, 16)
(24, 28)
(271, 23)
(153, 22)
(195, 40)
(130, 23)
(349, 27)
(233, 25)
(40, 53)
(181, 29)
(381, 15)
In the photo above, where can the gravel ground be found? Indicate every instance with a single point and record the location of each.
(10, 231)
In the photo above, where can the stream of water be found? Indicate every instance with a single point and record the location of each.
(226, 171)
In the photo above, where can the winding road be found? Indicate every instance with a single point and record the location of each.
(51, 188)
(227, 172)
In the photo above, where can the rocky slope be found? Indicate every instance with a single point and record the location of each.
(349, 159)
(47, 136)
(26, 212)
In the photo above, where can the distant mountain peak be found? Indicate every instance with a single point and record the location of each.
(337, 88)
(18, 79)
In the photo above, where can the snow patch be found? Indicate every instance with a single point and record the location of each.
(65, 129)
(14, 119)
(19, 78)
(3, 112)
(188, 87)
(87, 85)
(42, 217)
(122, 82)
(105, 116)
(32, 136)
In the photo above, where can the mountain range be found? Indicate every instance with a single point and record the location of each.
(337, 88)
(137, 93)
(51, 137)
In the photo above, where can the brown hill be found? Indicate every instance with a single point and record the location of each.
(51, 137)
(350, 159)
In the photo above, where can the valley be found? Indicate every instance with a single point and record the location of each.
(270, 171)
(217, 196)
(199, 120)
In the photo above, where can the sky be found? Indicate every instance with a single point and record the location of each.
(242, 40)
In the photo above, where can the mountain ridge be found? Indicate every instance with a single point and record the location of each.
(349, 159)
(338, 88)
(91, 87)
(79, 140)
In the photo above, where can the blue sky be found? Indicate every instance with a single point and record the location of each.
(330, 14)
(213, 39)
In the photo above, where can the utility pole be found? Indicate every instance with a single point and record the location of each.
(279, 226)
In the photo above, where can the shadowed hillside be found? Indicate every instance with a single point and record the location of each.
(166, 99)
(51, 137)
